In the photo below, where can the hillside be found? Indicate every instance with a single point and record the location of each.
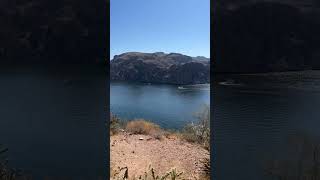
(266, 35)
(128, 150)
(159, 67)
(53, 32)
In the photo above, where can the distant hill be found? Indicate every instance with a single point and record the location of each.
(200, 58)
(58, 31)
(266, 35)
(160, 67)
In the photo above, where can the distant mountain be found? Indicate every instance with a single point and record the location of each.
(59, 31)
(200, 58)
(160, 67)
(266, 35)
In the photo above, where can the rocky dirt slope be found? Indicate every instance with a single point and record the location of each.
(138, 152)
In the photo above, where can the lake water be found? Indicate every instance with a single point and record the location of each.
(53, 123)
(253, 121)
(170, 106)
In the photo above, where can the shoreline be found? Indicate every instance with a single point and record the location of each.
(278, 77)
(155, 83)
(138, 145)
(265, 73)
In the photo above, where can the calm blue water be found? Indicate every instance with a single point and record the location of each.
(253, 122)
(53, 127)
(170, 106)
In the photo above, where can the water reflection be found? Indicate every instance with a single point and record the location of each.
(252, 122)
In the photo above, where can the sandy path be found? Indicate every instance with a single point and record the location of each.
(163, 155)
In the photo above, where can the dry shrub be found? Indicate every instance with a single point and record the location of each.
(121, 173)
(150, 174)
(199, 131)
(7, 173)
(141, 126)
(115, 124)
(205, 168)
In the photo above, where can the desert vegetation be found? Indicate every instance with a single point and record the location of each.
(197, 133)
(136, 126)
(150, 174)
(194, 132)
(7, 173)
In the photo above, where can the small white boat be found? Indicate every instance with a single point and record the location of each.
(180, 87)
(230, 82)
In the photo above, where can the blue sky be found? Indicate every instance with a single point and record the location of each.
(181, 26)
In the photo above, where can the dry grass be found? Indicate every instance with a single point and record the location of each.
(206, 168)
(7, 173)
(150, 174)
(141, 126)
(119, 173)
(137, 126)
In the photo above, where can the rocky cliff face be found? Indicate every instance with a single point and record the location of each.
(159, 67)
(266, 35)
(59, 31)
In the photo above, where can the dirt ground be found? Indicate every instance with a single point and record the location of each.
(138, 152)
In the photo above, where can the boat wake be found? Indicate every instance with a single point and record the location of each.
(230, 82)
(195, 87)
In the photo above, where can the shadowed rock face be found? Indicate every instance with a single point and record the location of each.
(266, 36)
(159, 67)
(59, 31)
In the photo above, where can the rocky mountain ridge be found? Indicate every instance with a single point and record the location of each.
(265, 35)
(53, 32)
(159, 67)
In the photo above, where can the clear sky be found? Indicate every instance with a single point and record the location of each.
(181, 26)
